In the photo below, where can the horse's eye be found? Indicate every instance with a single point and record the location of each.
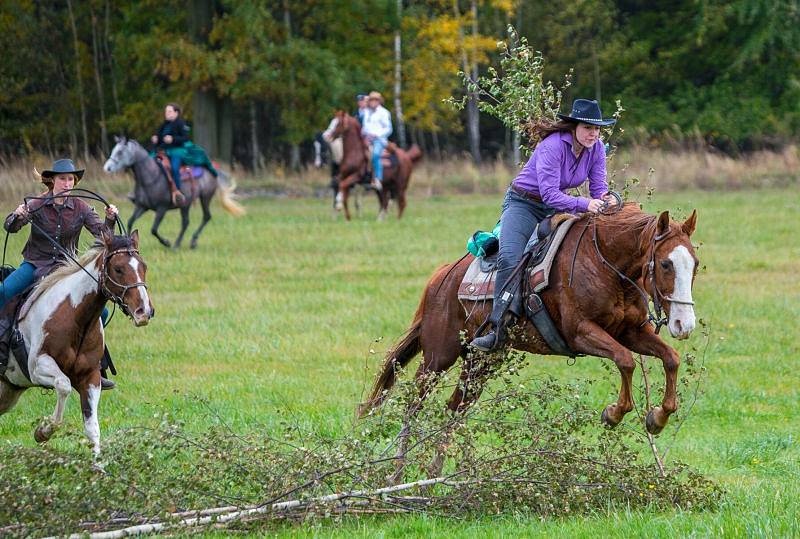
(118, 271)
(666, 264)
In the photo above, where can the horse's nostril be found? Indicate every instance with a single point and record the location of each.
(679, 326)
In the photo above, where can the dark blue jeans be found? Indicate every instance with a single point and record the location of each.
(517, 222)
(20, 279)
(175, 161)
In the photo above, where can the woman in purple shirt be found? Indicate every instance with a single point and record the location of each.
(569, 154)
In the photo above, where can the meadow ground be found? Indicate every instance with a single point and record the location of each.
(274, 316)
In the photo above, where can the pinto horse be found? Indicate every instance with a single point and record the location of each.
(60, 322)
(354, 163)
(601, 281)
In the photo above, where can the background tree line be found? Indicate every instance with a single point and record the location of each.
(258, 78)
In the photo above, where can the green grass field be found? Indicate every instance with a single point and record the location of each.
(275, 315)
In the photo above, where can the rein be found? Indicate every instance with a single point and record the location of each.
(104, 276)
(658, 317)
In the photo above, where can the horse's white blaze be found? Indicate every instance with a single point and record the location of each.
(91, 424)
(681, 316)
(142, 290)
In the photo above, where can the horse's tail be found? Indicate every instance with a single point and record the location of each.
(400, 354)
(227, 185)
(414, 153)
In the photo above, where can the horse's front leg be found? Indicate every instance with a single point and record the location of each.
(46, 373)
(643, 340)
(89, 390)
(593, 340)
(344, 190)
(137, 212)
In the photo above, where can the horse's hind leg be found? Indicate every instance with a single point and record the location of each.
(426, 380)
(184, 225)
(9, 395)
(204, 203)
(156, 223)
(46, 373)
(643, 340)
(89, 392)
(474, 374)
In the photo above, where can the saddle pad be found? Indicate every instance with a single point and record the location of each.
(189, 172)
(541, 271)
(478, 283)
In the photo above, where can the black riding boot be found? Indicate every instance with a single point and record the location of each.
(106, 363)
(500, 319)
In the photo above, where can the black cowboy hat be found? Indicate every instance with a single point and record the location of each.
(586, 111)
(62, 166)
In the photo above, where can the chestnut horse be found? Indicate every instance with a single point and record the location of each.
(354, 166)
(60, 323)
(596, 298)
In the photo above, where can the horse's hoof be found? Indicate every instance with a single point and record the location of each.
(650, 423)
(193, 245)
(41, 434)
(604, 417)
(166, 243)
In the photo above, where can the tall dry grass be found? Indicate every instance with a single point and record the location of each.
(658, 169)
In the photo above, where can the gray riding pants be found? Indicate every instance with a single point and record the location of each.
(517, 222)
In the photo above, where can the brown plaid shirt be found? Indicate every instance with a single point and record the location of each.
(63, 223)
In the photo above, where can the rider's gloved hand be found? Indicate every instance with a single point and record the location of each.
(154, 139)
(22, 210)
(111, 211)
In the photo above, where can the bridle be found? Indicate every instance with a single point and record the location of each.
(105, 278)
(659, 317)
(656, 294)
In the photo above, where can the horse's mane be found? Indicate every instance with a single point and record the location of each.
(70, 267)
(629, 219)
(66, 269)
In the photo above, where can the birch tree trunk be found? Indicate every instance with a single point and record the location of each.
(79, 81)
(473, 121)
(398, 104)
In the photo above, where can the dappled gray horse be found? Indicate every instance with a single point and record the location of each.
(152, 192)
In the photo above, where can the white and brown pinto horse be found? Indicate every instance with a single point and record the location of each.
(60, 323)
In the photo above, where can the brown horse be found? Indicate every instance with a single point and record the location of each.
(60, 323)
(355, 162)
(599, 306)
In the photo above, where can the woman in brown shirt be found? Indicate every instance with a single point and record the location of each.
(61, 218)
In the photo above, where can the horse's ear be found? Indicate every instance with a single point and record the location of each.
(117, 139)
(690, 223)
(663, 223)
(106, 237)
(135, 239)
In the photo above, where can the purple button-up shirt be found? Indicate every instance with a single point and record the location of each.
(553, 168)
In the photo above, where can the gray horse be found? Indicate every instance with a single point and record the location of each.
(152, 191)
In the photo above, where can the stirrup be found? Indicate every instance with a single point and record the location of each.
(376, 184)
(177, 198)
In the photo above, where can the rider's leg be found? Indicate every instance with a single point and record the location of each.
(175, 162)
(377, 148)
(106, 363)
(517, 222)
(17, 281)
